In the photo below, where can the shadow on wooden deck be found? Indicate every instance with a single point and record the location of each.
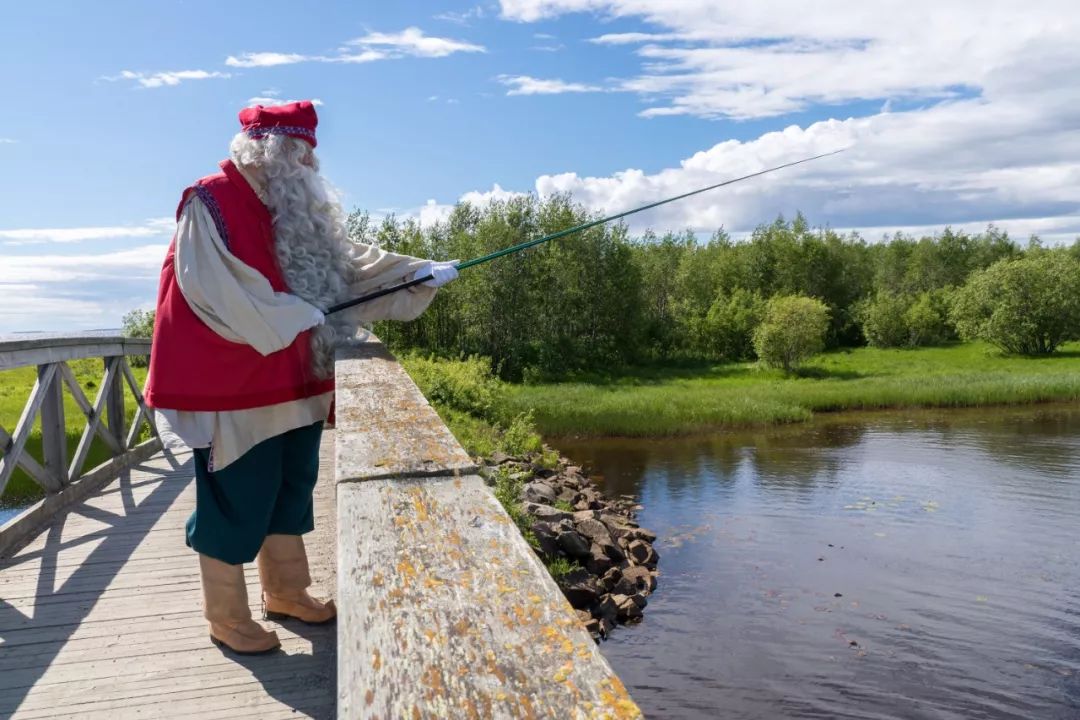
(101, 616)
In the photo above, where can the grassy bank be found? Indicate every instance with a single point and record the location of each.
(15, 387)
(670, 401)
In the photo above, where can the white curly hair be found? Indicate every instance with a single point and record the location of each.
(310, 239)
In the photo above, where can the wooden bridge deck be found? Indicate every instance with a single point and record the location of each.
(101, 614)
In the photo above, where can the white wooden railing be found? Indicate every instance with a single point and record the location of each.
(63, 480)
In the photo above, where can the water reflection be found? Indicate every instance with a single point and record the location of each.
(922, 565)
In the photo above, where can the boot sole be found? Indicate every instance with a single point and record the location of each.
(279, 617)
(224, 646)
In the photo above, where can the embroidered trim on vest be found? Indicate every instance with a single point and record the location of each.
(215, 212)
(281, 130)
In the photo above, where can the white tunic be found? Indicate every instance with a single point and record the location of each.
(237, 302)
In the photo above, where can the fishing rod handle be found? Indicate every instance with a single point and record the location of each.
(377, 294)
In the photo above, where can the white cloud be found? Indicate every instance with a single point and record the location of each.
(364, 56)
(964, 163)
(265, 59)
(484, 198)
(525, 85)
(410, 42)
(140, 263)
(431, 213)
(413, 41)
(978, 120)
(1052, 231)
(7, 141)
(630, 38)
(463, 17)
(746, 60)
(86, 290)
(155, 227)
(165, 79)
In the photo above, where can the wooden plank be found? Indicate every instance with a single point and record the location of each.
(115, 402)
(53, 432)
(14, 447)
(116, 589)
(212, 691)
(16, 531)
(27, 463)
(191, 638)
(76, 391)
(409, 439)
(44, 350)
(94, 423)
(143, 412)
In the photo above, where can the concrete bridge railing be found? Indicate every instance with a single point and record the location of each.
(64, 482)
(445, 611)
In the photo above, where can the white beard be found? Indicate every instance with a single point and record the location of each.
(313, 250)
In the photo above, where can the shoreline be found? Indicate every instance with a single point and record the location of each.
(668, 402)
(826, 417)
(602, 560)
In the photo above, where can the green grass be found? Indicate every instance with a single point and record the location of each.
(561, 567)
(661, 401)
(15, 387)
(508, 493)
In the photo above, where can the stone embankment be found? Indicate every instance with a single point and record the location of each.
(614, 564)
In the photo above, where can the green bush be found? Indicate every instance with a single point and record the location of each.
(891, 320)
(926, 319)
(521, 437)
(884, 320)
(138, 324)
(730, 323)
(468, 386)
(792, 330)
(1027, 306)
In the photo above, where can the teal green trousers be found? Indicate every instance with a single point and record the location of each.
(267, 491)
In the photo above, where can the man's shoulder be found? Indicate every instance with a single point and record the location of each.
(201, 191)
(213, 179)
(206, 189)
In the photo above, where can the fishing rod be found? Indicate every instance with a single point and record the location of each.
(563, 233)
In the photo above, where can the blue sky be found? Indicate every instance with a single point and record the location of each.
(961, 117)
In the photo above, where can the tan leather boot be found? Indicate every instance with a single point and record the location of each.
(283, 569)
(226, 607)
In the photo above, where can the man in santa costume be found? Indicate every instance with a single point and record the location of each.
(243, 358)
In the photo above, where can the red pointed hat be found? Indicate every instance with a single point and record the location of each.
(297, 119)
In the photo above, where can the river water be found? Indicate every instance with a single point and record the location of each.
(924, 565)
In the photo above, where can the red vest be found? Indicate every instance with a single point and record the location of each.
(194, 368)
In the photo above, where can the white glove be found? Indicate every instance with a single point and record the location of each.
(317, 317)
(441, 272)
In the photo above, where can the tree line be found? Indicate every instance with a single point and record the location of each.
(601, 298)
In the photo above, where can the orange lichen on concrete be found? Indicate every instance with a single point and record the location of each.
(618, 701)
